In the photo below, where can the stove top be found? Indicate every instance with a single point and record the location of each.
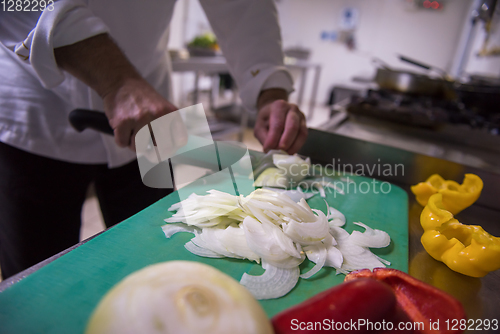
(422, 111)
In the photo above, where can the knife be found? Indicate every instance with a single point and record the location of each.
(82, 119)
(202, 155)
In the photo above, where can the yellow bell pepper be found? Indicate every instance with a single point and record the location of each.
(456, 197)
(466, 249)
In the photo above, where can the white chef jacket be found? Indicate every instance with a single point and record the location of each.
(36, 96)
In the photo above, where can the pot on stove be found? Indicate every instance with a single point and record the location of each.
(408, 82)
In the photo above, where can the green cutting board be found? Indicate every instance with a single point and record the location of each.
(60, 297)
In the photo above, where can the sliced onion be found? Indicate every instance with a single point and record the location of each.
(271, 177)
(335, 214)
(336, 222)
(269, 242)
(333, 258)
(234, 240)
(321, 189)
(265, 162)
(171, 229)
(308, 233)
(209, 210)
(294, 167)
(273, 283)
(284, 204)
(318, 252)
(200, 251)
(329, 241)
(320, 183)
(295, 195)
(269, 226)
(384, 261)
(370, 238)
(355, 257)
(229, 241)
(333, 186)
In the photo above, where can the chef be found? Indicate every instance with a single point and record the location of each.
(110, 55)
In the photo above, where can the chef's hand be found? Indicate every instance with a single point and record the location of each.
(129, 101)
(133, 105)
(280, 124)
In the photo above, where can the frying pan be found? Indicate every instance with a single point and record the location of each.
(408, 82)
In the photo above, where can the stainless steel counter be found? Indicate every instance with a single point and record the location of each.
(480, 297)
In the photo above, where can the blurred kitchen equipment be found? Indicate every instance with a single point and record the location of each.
(482, 10)
(483, 98)
(407, 82)
(418, 63)
(478, 96)
(297, 53)
(424, 111)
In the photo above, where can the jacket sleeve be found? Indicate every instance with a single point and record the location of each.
(65, 23)
(249, 36)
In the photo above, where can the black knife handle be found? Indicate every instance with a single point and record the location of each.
(82, 119)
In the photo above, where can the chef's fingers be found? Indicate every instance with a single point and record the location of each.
(123, 132)
(127, 124)
(301, 138)
(277, 120)
(260, 129)
(291, 131)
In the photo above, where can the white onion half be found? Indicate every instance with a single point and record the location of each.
(178, 297)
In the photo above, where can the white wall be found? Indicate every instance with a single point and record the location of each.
(386, 28)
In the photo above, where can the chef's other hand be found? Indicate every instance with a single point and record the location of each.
(279, 124)
(133, 105)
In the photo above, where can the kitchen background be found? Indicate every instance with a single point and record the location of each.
(380, 29)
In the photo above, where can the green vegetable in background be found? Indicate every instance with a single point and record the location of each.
(207, 41)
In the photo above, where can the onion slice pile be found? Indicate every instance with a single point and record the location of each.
(269, 227)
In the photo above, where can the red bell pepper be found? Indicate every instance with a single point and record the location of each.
(382, 301)
(438, 311)
(339, 309)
